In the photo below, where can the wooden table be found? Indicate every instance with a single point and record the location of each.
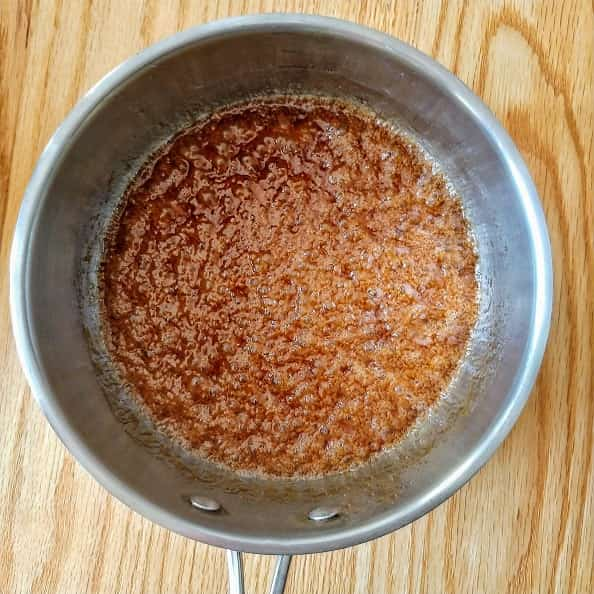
(526, 522)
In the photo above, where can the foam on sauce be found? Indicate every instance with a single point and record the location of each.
(288, 287)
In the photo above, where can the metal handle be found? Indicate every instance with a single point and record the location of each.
(235, 565)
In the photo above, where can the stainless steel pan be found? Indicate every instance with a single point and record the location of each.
(58, 239)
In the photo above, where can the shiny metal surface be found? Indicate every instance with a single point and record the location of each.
(83, 171)
(321, 514)
(235, 572)
(279, 579)
(204, 503)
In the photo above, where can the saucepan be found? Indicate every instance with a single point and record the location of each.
(61, 231)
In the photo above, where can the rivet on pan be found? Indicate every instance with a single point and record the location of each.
(204, 503)
(319, 514)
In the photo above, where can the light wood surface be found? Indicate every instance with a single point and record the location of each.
(525, 523)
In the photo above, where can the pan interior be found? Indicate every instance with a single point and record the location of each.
(68, 240)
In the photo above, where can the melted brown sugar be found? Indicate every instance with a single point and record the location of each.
(289, 287)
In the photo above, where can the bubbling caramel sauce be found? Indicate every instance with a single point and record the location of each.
(289, 285)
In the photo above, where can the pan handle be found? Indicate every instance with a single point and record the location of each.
(235, 570)
(279, 579)
(235, 566)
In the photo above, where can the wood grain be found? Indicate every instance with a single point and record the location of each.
(525, 523)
